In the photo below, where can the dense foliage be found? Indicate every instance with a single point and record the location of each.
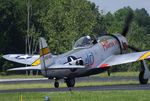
(62, 22)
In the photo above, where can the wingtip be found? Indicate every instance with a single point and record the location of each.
(5, 56)
(8, 70)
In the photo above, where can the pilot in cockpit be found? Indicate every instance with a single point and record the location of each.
(89, 40)
(85, 41)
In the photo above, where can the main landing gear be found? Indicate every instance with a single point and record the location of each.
(56, 84)
(144, 73)
(142, 80)
(70, 82)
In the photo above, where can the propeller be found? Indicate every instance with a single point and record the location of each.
(127, 23)
(133, 48)
(144, 72)
(126, 27)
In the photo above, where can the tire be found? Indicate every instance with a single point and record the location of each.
(141, 78)
(56, 84)
(70, 82)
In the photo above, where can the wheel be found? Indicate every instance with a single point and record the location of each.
(70, 82)
(56, 84)
(141, 78)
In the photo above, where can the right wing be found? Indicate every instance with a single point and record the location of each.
(124, 58)
(33, 60)
(66, 67)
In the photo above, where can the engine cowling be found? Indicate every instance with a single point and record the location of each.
(122, 42)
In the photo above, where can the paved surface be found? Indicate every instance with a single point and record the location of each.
(85, 88)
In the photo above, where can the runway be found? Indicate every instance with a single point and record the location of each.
(83, 88)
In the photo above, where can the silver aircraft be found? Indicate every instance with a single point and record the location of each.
(89, 56)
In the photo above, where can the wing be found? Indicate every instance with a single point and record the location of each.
(124, 58)
(51, 67)
(26, 68)
(23, 59)
(66, 67)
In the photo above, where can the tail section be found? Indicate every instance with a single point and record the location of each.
(45, 56)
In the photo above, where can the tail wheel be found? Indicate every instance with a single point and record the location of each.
(56, 84)
(141, 78)
(70, 82)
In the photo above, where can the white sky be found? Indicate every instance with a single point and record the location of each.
(113, 5)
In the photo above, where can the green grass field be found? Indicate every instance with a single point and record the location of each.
(79, 96)
(20, 76)
(125, 95)
(123, 74)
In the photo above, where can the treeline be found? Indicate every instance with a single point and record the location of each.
(62, 22)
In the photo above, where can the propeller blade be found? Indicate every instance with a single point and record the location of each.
(133, 48)
(127, 23)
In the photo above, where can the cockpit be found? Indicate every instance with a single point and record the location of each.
(83, 42)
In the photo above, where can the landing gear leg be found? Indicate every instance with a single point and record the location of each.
(141, 78)
(70, 82)
(144, 73)
(56, 84)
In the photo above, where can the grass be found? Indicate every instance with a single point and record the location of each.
(139, 95)
(101, 75)
(123, 74)
(50, 85)
(20, 76)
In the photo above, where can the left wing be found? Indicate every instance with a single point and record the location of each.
(124, 58)
(66, 66)
(26, 68)
(51, 67)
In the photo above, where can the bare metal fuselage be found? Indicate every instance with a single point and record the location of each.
(91, 55)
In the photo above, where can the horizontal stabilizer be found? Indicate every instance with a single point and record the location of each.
(23, 58)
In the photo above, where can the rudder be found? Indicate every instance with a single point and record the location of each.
(45, 55)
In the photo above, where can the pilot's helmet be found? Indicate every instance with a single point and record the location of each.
(87, 40)
(88, 37)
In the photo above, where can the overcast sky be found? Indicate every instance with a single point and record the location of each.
(113, 5)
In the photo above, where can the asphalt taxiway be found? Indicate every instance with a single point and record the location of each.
(83, 88)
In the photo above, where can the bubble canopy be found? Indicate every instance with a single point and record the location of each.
(83, 42)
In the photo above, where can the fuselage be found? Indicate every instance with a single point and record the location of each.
(91, 56)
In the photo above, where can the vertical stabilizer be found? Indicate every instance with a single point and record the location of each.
(45, 56)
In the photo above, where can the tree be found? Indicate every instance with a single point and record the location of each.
(142, 18)
(11, 27)
(11, 30)
(67, 20)
(115, 22)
